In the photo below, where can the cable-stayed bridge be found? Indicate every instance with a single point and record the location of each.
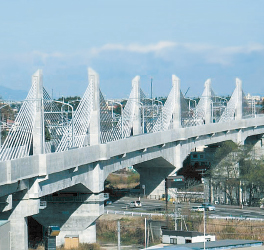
(55, 159)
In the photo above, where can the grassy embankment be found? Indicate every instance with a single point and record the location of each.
(132, 229)
(122, 179)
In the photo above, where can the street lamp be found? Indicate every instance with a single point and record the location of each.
(69, 105)
(74, 102)
(121, 114)
(189, 102)
(152, 109)
(222, 103)
(159, 102)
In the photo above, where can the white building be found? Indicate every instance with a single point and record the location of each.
(251, 97)
(183, 237)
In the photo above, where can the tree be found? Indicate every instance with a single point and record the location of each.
(237, 166)
(191, 176)
(117, 107)
(47, 134)
(251, 172)
(7, 113)
(224, 172)
(262, 106)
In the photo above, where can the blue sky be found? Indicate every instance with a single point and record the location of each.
(193, 39)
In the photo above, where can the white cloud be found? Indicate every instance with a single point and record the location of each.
(45, 56)
(225, 55)
(135, 47)
(167, 50)
(36, 56)
(210, 53)
(201, 48)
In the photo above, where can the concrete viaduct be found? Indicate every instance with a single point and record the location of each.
(85, 147)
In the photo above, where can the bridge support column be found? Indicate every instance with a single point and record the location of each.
(239, 107)
(177, 102)
(240, 137)
(19, 233)
(153, 174)
(178, 161)
(95, 117)
(96, 184)
(137, 116)
(257, 145)
(75, 215)
(22, 208)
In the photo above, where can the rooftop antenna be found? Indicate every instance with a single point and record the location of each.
(151, 87)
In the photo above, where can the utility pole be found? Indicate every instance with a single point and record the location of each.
(118, 235)
(176, 210)
(145, 232)
(166, 198)
(204, 213)
(204, 230)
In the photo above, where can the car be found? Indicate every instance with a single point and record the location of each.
(108, 202)
(208, 207)
(135, 204)
(197, 209)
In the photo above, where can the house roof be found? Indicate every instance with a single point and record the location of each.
(182, 233)
(213, 245)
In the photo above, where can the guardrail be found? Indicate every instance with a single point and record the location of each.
(172, 215)
(134, 213)
(234, 218)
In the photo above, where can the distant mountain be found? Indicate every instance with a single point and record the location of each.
(12, 94)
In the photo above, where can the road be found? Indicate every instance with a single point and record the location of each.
(157, 206)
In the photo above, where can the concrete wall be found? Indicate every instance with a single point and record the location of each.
(201, 238)
(4, 235)
(73, 216)
(87, 235)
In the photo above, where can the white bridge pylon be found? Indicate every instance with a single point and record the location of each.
(19, 141)
(44, 125)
